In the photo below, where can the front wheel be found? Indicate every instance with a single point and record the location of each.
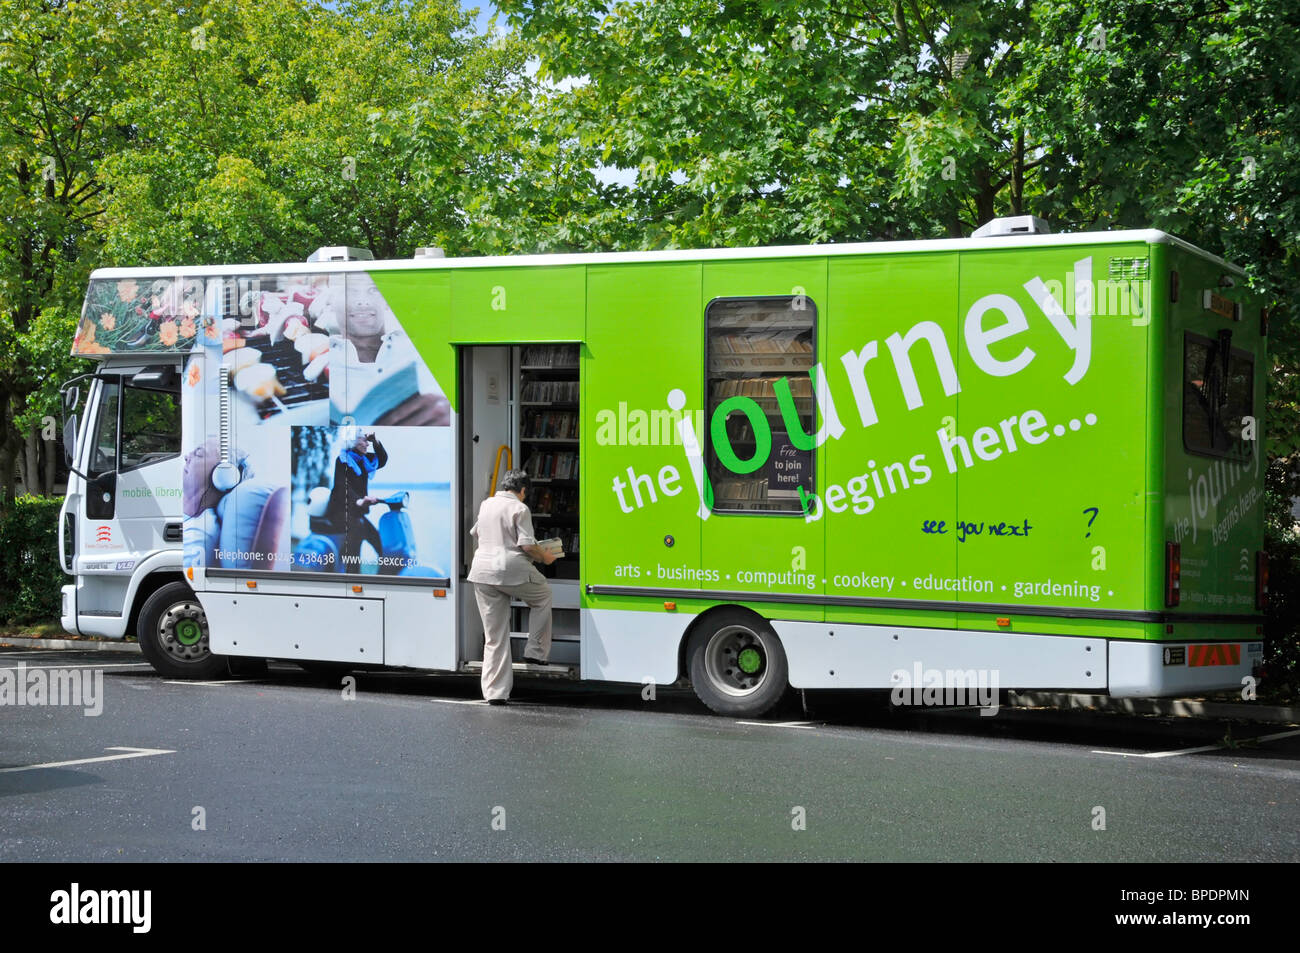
(173, 635)
(737, 664)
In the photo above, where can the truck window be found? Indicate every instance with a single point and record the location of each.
(151, 426)
(758, 353)
(1217, 395)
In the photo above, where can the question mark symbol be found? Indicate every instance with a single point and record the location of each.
(1095, 513)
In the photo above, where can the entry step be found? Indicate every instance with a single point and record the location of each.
(531, 668)
(556, 636)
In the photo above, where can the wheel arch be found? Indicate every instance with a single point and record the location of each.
(148, 585)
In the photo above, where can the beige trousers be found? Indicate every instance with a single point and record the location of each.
(494, 608)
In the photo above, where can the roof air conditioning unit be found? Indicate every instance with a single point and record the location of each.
(1013, 225)
(429, 251)
(341, 253)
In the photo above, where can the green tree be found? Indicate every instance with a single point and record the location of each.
(61, 68)
(268, 129)
(768, 121)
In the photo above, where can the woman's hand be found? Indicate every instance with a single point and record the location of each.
(543, 556)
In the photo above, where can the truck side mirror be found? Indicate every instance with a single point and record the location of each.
(70, 439)
(71, 398)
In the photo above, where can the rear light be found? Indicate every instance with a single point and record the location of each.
(1263, 322)
(1173, 571)
(1173, 286)
(1261, 580)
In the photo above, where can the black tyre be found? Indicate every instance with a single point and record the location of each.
(173, 635)
(737, 664)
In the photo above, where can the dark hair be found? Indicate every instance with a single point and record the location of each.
(514, 481)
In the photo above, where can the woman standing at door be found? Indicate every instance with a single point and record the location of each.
(503, 569)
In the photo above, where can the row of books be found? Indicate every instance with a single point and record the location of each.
(768, 342)
(556, 500)
(779, 317)
(550, 425)
(560, 391)
(553, 465)
(551, 355)
(760, 387)
(742, 489)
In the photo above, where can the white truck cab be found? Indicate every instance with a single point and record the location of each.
(121, 522)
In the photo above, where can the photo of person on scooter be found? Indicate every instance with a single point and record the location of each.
(385, 486)
(360, 454)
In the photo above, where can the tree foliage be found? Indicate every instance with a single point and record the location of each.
(269, 129)
(233, 131)
(61, 65)
(770, 121)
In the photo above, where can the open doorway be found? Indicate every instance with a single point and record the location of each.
(520, 410)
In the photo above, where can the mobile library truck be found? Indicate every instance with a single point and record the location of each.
(1025, 454)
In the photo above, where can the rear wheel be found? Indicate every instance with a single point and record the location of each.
(737, 664)
(173, 635)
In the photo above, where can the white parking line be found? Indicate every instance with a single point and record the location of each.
(131, 753)
(1200, 750)
(186, 681)
(27, 667)
(779, 724)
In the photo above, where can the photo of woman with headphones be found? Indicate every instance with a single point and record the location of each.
(232, 519)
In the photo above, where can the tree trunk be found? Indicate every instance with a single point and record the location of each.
(31, 462)
(7, 461)
(1018, 175)
(985, 197)
(7, 465)
(51, 470)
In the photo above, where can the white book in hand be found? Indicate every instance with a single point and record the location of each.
(553, 545)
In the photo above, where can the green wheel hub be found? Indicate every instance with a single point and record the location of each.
(188, 632)
(736, 660)
(182, 632)
(749, 661)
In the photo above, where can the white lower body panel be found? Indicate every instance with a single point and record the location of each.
(1139, 669)
(419, 628)
(295, 627)
(631, 646)
(839, 655)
